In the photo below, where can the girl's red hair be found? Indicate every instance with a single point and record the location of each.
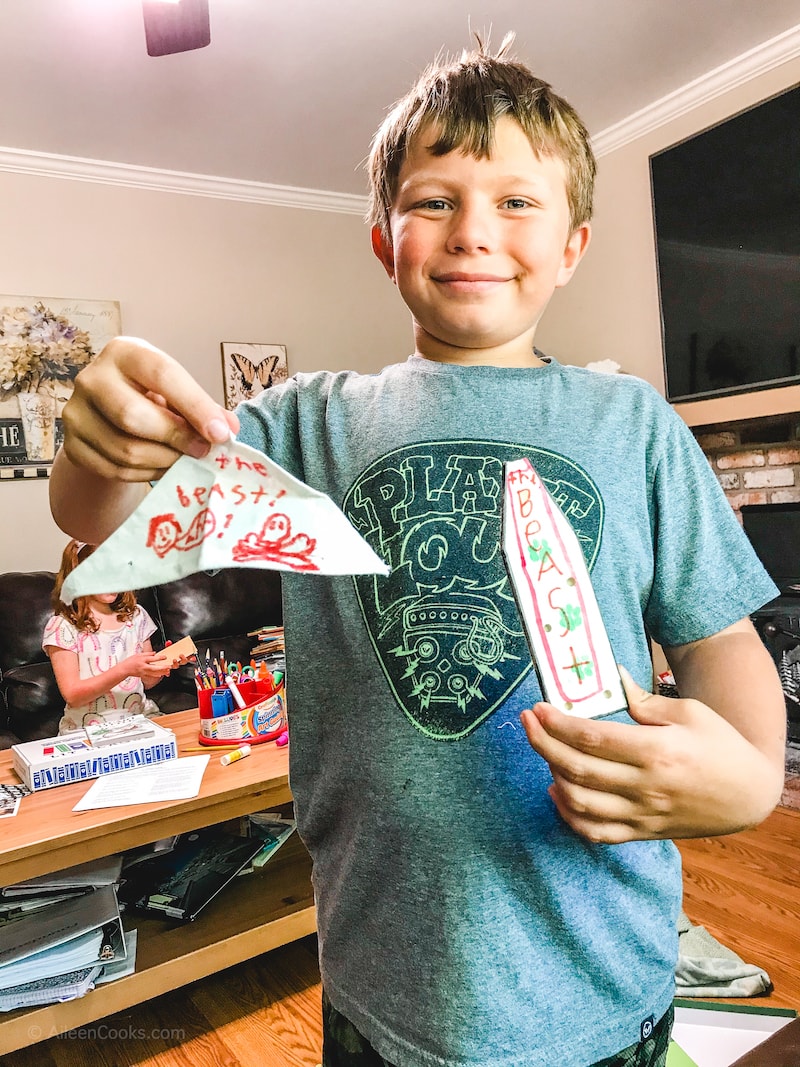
(79, 612)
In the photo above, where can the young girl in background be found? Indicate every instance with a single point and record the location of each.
(101, 653)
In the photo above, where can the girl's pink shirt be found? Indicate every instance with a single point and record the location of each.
(96, 653)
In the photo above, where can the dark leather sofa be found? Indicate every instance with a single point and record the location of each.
(217, 610)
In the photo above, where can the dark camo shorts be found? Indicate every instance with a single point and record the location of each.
(344, 1046)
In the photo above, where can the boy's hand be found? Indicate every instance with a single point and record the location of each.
(684, 772)
(135, 410)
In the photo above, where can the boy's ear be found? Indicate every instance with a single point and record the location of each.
(382, 247)
(573, 253)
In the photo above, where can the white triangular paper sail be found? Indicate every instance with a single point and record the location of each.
(234, 508)
(556, 600)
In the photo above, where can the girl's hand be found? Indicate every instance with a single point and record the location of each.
(77, 691)
(147, 666)
(165, 657)
(135, 410)
(683, 772)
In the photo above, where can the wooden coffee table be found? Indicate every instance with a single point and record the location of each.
(255, 913)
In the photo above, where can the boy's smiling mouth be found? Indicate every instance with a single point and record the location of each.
(460, 281)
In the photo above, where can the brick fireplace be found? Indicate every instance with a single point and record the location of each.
(757, 461)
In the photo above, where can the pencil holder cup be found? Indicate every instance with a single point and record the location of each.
(263, 718)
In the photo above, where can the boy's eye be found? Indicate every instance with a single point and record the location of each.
(434, 204)
(516, 203)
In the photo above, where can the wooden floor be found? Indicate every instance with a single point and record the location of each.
(264, 1013)
(744, 889)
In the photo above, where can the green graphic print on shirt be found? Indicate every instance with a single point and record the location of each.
(444, 624)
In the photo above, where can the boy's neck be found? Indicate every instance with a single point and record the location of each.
(512, 355)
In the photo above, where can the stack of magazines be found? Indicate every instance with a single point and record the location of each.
(61, 934)
(270, 647)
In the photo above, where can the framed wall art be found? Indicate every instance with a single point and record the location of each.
(44, 343)
(247, 369)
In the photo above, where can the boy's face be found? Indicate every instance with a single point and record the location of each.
(478, 247)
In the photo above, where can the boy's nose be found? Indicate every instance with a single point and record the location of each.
(470, 231)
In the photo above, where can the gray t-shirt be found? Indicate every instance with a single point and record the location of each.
(461, 921)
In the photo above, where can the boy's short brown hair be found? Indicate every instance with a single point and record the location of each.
(463, 99)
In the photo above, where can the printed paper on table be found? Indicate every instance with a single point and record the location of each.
(147, 785)
(567, 638)
(234, 508)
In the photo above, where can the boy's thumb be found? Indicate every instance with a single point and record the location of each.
(644, 707)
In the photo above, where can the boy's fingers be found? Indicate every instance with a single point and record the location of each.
(590, 805)
(557, 734)
(151, 371)
(650, 709)
(597, 795)
(135, 410)
(93, 442)
(573, 760)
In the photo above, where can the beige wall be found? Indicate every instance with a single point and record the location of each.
(610, 308)
(190, 272)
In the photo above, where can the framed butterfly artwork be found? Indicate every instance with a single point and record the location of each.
(247, 369)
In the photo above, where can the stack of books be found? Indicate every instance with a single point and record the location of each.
(269, 647)
(61, 934)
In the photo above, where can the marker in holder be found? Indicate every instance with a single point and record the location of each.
(221, 702)
(234, 690)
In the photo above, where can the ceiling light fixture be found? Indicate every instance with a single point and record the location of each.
(175, 26)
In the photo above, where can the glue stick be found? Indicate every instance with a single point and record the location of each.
(231, 757)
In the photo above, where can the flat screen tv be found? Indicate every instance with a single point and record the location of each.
(726, 206)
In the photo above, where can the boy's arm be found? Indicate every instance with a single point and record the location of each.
(686, 770)
(133, 412)
(733, 672)
(86, 506)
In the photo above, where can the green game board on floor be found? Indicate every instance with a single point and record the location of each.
(676, 1057)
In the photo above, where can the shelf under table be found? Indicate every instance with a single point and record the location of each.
(253, 914)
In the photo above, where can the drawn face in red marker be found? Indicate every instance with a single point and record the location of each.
(276, 528)
(162, 534)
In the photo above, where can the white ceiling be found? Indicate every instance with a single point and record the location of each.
(289, 92)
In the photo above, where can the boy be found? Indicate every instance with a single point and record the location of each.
(487, 895)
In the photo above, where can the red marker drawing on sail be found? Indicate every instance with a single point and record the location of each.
(235, 507)
(556, 601)
(278, 543)
(164, 533)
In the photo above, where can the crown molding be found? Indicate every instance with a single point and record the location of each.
(48, 165)
(759, 60)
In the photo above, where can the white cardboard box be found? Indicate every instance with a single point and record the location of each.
(72, 758)
(716, 1035)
